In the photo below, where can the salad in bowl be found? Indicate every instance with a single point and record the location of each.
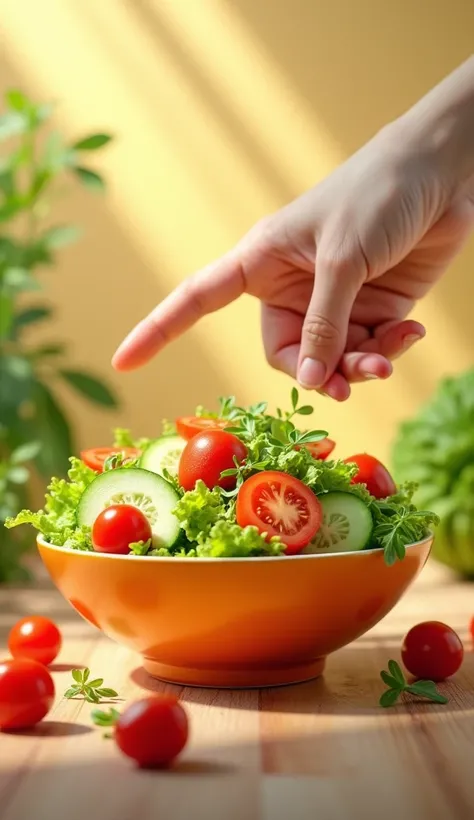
(237, 483)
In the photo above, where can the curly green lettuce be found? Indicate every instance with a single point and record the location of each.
(57, 522)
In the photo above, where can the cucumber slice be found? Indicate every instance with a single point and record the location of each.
(163, 453)
(346, 526)
(154, 496)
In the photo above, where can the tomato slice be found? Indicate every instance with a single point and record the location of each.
(96, 456)
(189, 426)
(320, 449)
(279, 504)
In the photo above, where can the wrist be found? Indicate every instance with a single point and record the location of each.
(440, 127)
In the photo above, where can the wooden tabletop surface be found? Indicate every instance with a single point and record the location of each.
(322, 750)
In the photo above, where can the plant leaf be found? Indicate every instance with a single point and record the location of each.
(391, 682)
(91, 696)
(92, 143)
(60, 236)
(395, 670)
(90, 387)
(17, 100)
(19, 279)
(95, 683)
(389, 697)
(426, 689)
(305, 410)
(12, 124)
(294, 398)
(6, 314)
(18, 475)
(25, 452)
(29, 316)
(107, 693)
(51, 427)
(72, 692)
(90, 178)
(77, 675)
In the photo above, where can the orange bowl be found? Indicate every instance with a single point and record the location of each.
(233, 622)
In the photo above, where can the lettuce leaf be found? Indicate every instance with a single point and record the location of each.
(228, 540)
(198, 510)
(57, 522)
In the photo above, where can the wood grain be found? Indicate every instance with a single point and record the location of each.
(323, 749)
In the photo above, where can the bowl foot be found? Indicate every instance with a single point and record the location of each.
(235, 678)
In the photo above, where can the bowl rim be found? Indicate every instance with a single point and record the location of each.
(265, 558)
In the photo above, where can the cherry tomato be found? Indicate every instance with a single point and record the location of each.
(118, 526)
(26, 693)
(189, 426)
(379, 482)
(35, 637)
(432, 651)
(206, 456)
(95, 457)
(320, 449)
(279, 504)
(152, 731)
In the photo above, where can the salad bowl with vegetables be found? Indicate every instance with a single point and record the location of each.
(231, 551)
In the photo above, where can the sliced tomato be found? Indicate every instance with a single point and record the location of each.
(320, 449)
(189, 426)
(96, 456)
(279, 504)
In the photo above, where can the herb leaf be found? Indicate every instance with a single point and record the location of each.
(92, 691)
(397, 684)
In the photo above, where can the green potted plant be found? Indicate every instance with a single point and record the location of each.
(436, 450)
(34, 429)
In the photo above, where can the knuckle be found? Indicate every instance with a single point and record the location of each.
(320, 330)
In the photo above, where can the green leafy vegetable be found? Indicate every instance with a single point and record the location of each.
(396, 682)
(435, 449)
(228, 540)
(198, 510)
(91, 690)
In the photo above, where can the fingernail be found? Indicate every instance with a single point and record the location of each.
(312, 373)
(369, 376)
(409, 340)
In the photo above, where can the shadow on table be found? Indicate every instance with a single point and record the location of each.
(351, 685)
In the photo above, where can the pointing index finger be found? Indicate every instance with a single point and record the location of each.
(208, 290)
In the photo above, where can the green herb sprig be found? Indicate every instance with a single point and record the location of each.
(397, 683)
(105, 719)
(91, 690)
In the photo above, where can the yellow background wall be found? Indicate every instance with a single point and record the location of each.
(223, 110)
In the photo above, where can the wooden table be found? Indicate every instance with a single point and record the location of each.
(322, 750)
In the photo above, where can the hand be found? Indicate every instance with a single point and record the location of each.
(338, 270)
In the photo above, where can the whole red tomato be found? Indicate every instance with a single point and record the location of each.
(206, 456)
(35, 637)
(118, 526)
(26, 693)
(432, 650)
(152, 731)
(373, 474)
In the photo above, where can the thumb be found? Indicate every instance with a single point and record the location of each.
(323, 339)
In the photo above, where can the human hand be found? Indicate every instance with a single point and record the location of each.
(339, 269)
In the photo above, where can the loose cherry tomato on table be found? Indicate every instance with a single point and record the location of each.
(96, 457)
(432, 650)
(153, 731)
(118, 526)
(279, 504)
(189, 426)
(206, 456)
(35, 637)
(372, 472)
(320, 449)
(26, 693)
